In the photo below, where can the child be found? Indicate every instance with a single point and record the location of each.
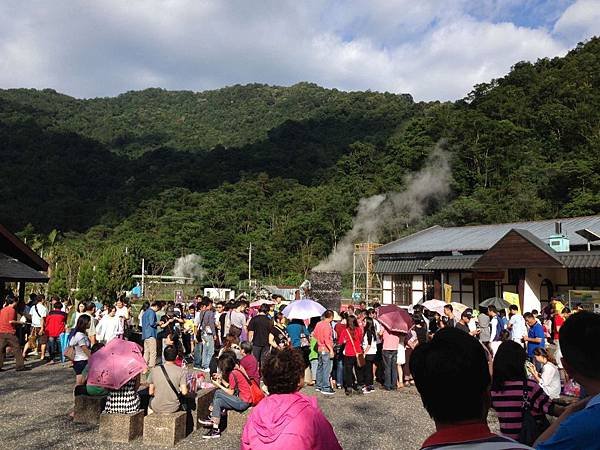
(249, 362)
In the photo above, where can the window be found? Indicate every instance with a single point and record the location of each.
(515, 275)
(402, 289)
(584, 277)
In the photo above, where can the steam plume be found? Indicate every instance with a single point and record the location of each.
(189, 266)
(377, 212)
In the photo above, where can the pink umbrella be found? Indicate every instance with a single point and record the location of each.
(257, 303)
(394, 318)
(435, 306)
(115, 364)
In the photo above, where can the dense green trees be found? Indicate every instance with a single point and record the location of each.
(159, 174)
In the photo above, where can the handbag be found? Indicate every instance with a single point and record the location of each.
(532, 426)
(256, 393)
(183, 401)
(360, 357)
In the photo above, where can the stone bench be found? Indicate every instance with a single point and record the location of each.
(122, 427)
(204, 399)
(165, 429)
(234, 420)
(88, 408)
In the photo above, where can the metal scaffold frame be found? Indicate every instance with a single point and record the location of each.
(364, 279)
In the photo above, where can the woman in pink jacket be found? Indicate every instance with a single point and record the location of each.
(286, 418)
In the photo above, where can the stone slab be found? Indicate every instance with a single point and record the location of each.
(121, 427)
(204, 400)
(88, 409)
(165, 429)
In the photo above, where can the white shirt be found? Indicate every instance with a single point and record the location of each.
(550, 380)
(109, 328)
(372, 347)
(38, 312)
(377, 330)
(518, 328)
(77, 342)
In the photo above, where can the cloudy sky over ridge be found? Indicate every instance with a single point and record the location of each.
(432, 49)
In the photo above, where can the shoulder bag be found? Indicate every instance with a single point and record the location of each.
(183, 403)
(256, 392)
(531, 426)
(360, 357)
(233, 329)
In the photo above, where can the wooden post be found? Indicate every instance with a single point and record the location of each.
(21, 291)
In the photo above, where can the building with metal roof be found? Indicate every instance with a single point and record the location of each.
(18, 263)
(532, 260)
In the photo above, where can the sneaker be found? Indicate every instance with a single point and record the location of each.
(213, 433)
(368, 390)
(318, 389)
(205, 370)
(348, 392)
(197, 368)
(207, 421)
(328, 392)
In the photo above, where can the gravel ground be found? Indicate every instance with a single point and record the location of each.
(34, 407)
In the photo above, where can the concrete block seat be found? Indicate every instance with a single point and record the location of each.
(88, 408)
(233, 419)
(165, 429)
(122, 427)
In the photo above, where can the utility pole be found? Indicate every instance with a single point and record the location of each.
(143, 272)
(249, 265)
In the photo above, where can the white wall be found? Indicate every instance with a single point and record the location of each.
(387, 290)
(417, 289)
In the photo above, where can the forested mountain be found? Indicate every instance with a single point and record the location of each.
(165, 174)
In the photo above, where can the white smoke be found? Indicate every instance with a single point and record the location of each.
(189, 266)
(375, 213)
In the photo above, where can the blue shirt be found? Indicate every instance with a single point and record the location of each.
(295, 330)
(535, 331)
(149, 324)
(578, 431)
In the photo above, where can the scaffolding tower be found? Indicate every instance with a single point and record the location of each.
(364, 279)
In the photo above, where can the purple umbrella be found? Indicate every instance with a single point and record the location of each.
(394, 318)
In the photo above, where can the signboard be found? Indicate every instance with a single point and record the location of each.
(489, 275)
(512, 298)
(590, 300)
(447, 292)
(178, 296)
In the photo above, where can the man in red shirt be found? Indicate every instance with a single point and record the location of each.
(8, 327)
(323, 333)
(55, 326)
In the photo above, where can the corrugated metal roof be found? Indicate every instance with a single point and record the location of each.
(460, 262)
(12, 269)
(583, 260)
(483, 237)
(401, 266)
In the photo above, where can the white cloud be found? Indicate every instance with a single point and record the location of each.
(580, 20)
(431, 49)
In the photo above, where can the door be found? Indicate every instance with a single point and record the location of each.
(487, 289)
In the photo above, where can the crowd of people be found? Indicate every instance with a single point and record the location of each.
(517, 365)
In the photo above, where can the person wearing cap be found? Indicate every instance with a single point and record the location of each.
(463, 323)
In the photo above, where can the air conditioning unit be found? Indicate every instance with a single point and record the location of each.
(558, 241)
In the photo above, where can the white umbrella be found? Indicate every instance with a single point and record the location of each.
(303, 309)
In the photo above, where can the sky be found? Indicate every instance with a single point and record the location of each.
(431, 49)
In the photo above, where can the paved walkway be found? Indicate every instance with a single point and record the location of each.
(34, 407)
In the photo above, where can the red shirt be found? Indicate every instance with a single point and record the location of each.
(250, 365)
(352, 346)
(55, 323)
(459, 434)
(7, 314)
(323, 333)
(558, 321)
(238, 381)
